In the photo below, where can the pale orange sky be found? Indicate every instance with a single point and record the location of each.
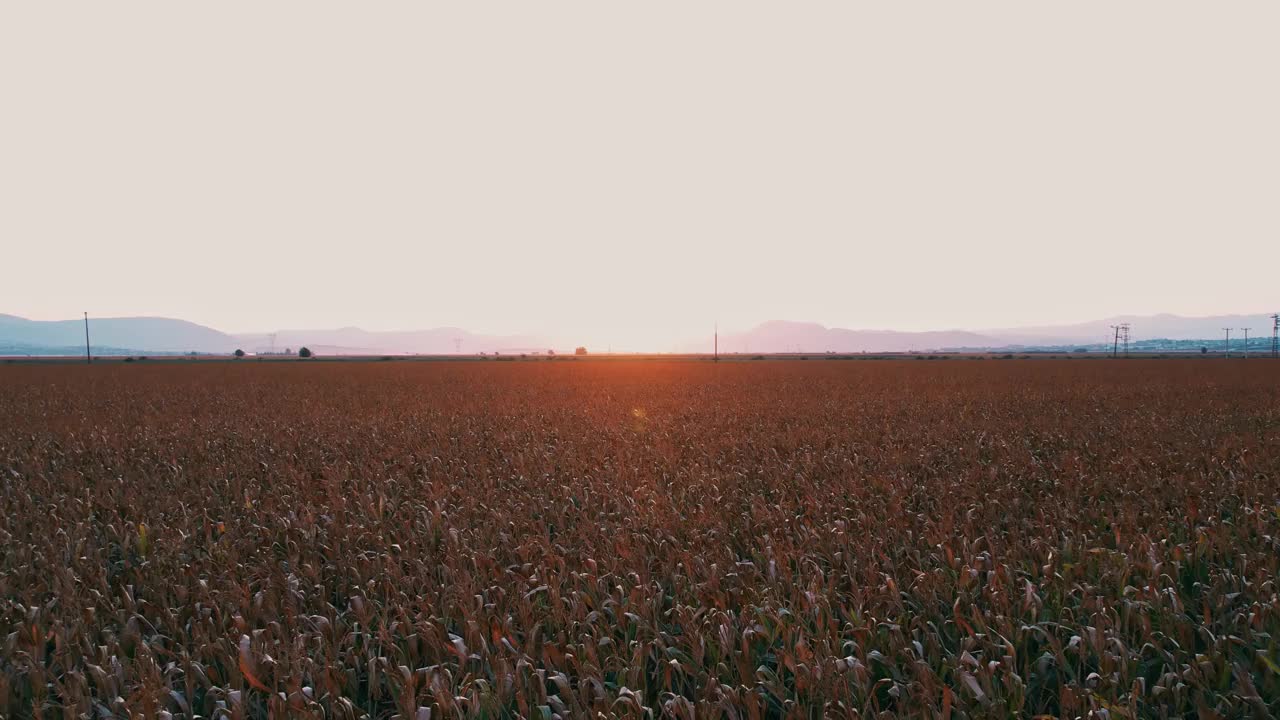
(629, 172)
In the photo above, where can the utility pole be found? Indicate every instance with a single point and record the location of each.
(1115, 347)
(1246, 343)
(1275, 335)
(717, 342)
(88, 358)
(1228, 341)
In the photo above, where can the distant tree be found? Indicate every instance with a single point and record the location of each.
(551, 353)
(239, 353)
(304, 353)
(1204, 351)
(580, 351)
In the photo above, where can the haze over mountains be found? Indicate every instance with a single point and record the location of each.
(138, 335)
(166, 335)
(784, 336)
(1172, 327)
(66, 337)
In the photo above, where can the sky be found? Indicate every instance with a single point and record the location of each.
(631, 173)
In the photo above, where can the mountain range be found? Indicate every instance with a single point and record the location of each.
(1166, 326)
(784, 336)
(19, 336)
(134, 335)
(137, 335)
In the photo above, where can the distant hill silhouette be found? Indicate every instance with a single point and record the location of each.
(1164, 326)
(152, 334)
(111, 336)
(780, 336)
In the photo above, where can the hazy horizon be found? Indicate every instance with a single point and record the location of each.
(631, 174)
(1155, 326)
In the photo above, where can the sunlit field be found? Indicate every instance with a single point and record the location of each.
(961, 538)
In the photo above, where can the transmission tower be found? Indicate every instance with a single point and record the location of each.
(457, 345)
(1121, 335)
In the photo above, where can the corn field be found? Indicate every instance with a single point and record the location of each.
(745, 540)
